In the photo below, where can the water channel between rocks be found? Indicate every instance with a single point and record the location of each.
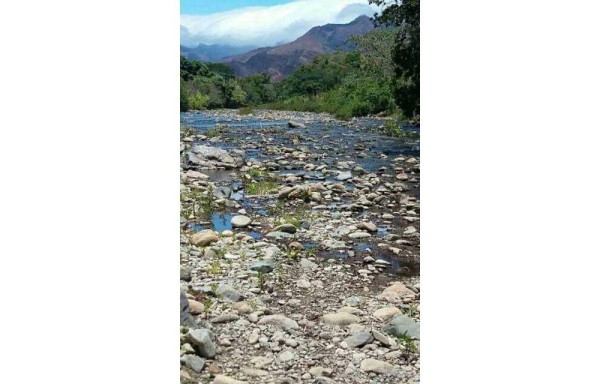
(361, 144)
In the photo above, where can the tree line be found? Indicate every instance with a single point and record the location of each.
(380, 77)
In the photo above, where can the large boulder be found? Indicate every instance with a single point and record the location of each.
(402, 326)
(185, 318)
(201, 339)
(227, 292)
(204, 238)
(207, 157)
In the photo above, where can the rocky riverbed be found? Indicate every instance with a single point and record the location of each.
(299, 250)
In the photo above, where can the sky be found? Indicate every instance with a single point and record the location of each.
(259, 23)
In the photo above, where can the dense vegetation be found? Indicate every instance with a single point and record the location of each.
(382, 76)
(406, 51)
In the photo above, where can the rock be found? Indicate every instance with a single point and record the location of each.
(279, 321)
(401, 325)
(340, 319)
(359, 235)
(288, 355)
(342, 176)
(213, 368)
(220, 379)
(376, 366)
(242, 307)
(351, 310)
(354, 301)
(229, 293)
(196, 307)
(185, 274)
(207, 157)
(386, 313)
(204, 238)
(295, 124)
(334, 244)
(184, 375)
(367, 226)
(323, 380)
(184, 312)
(254, 372)
(261, 361)
(396, 292)
(202, 342)
(225, 318)
(241, 221)
(383, 339)
(296, 245)
(358, 339)
(279, 235)
(222, 192)
(289, 228)
(194, 362)
(196, 175)
(308, 265)
(410, 230)
(303, 283)
(263, 266)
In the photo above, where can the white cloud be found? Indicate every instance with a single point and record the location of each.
(266, 26)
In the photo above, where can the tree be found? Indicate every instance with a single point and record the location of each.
(406, 54)
(377, 49)
(184, 102)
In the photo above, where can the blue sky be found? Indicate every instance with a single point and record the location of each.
(206, 7)
(261, 23)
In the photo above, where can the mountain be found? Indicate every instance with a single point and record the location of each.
(282, 60)
(211, 53)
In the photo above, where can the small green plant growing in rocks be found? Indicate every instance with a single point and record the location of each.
(392, 128)
(293, 254)
(197, 203)
(408, 343)
(207, 305)
(261, 187)
(220, 253)
(295, 216)
(255, 173)
(278, 270)
(412, 310)
(261, 281)
(214, 132)
(278, 209)
(186, 131)
(214, 268)
(213, 288)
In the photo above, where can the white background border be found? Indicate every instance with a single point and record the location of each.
(89, 203)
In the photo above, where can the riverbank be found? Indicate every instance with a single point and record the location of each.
(299, 249)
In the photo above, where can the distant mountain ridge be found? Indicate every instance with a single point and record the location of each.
(282, 60)
(211, 53)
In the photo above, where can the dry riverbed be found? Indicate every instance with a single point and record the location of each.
(299, 250)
